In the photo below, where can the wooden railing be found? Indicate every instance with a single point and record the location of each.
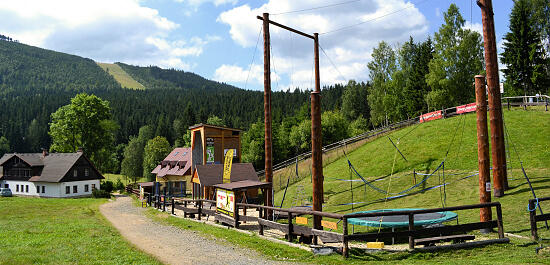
(534, 217)
(195, 208)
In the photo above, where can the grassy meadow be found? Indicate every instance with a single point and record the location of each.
(61, 231)
(120, 76)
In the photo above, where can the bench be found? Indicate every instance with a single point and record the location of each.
(432, 240)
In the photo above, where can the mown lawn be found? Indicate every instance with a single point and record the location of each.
(61, 231)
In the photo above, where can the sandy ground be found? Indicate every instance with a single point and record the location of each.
(169, 244)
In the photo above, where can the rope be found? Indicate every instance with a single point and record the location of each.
(253, 56)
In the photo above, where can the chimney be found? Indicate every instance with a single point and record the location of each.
(80, 150)
(44, 152)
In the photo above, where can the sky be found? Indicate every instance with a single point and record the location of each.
(221, 39)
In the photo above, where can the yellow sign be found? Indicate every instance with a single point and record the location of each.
(301, 220)
(328, 224)
(227, 166)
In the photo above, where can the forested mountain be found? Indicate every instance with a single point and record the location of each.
(35, 82)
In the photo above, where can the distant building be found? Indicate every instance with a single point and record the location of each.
(57, 175)
(173, 174)
(206, 176)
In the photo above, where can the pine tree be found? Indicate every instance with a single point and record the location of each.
(523, 52)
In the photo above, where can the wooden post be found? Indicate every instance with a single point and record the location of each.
(484, 162)
(184, 206)
(267, 112)
(500, 181)
(260, 211)
(532, 214)
(164, 203)
(345, 246)
(499, 222)
(236, 215)
(290, 227)
(173, 203)
(411, 229)
(199, 212)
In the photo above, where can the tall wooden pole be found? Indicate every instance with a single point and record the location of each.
(500, 181)
(267, 113)
(316, 141)
(483, 160)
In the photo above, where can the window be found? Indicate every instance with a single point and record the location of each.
(37, 189)
(75, 189)
(75, 173)
(86, 187)
(93, 186)
(86, 172)
(7, 186)
(43, 189)
(17, 188)
(27, 188)
(67, 189)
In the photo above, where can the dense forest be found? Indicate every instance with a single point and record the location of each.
(35, 82)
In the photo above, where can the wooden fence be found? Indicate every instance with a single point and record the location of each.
(534, 217)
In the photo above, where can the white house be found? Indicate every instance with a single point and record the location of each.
(57, 175)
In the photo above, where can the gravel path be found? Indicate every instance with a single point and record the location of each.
(172, 245)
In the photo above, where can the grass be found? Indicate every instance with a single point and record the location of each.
(425, 146)
(123, 178)
(121, 76)
(517, 252)
(61, 231)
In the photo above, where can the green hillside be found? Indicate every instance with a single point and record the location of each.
(35, 82)
(425, 146)
(120, 76)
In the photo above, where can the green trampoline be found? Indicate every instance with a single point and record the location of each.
(402, 220)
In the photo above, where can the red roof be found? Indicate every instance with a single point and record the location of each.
(177, 163)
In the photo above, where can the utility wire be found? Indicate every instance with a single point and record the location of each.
(315, 8)
(372, 19)
(253, 57)
(331, 62)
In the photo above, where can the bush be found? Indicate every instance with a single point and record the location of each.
(100, 194)
(119, 186)
(107, 186)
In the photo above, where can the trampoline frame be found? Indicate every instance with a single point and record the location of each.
(447, 216)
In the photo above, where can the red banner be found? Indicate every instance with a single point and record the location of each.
(466, 108)
(431, 116)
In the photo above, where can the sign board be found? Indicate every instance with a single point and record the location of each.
(329, 224)
(431, 116)
(234, 152)
(209, 151)
(466, 108)
(225, 202)
(227, 166)
(301, 220)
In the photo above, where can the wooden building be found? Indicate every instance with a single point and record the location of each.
(206, 176)
(173, 174)
(209, 143)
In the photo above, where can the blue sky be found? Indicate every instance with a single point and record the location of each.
(217, 38)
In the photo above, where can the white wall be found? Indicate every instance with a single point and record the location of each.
(52, 189)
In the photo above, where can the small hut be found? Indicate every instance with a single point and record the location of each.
(205, 177)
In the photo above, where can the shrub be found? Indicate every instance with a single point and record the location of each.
(119, 186)
(100, 194)
(107, 186)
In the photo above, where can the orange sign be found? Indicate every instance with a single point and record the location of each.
(328, 224)
(301, 220)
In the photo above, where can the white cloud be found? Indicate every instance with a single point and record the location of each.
(349, 49)
(474, 27)
(437, 12)
(254, 74)
(104, 30)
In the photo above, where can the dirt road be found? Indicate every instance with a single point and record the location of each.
(169, 244)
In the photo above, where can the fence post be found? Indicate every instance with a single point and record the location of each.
(532, 214)
(173, 202)
(199, 213)
(499, 221)
(345, 246)
(290, 227)
(184, 206)
(260, 211)
(164, 203)
(236, 216)
(411, 229)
